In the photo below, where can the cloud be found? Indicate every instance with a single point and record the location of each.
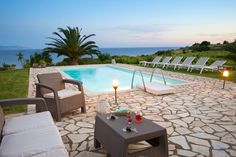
(162, 34)
(216, 34)
(141, 28)
(135, 34)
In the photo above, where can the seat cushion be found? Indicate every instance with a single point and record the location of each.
(44, 142)
(27, 122)
(54, 152)
(90, 154)
(157, 88)
(64, 93)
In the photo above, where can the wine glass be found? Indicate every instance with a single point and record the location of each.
(138, 117)
(129, 118)
(129, 127)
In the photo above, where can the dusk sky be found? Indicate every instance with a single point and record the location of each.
(119, 23)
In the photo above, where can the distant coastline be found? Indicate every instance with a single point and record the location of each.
(8, 53)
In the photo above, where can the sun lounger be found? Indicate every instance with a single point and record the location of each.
(166, 60)
(214, 66)
(185, 63)
(155, 60)
(174, 62)
(201, 62)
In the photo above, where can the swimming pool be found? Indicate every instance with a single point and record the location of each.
(98, 79)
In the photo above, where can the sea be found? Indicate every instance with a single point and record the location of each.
(8, 55)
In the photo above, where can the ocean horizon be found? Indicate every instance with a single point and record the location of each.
(8, 55)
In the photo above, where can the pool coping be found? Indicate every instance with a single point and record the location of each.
(90, 93)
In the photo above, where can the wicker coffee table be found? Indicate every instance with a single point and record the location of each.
(110, 134)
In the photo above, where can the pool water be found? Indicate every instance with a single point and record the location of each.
(99, 79)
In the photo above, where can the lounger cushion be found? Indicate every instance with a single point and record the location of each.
(46, 141)
(196, 66)
(211, 67)
(64, 93)
(27, 122)
(142, 61)
(157, 88)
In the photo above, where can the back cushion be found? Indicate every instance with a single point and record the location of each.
(2, 119)
(52, 79)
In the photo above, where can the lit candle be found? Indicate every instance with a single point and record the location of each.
(115, 83)
(226, 73)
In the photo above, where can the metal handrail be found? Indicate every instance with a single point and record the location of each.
(163, 77)
(132, 83)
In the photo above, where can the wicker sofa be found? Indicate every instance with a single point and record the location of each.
(34, 135)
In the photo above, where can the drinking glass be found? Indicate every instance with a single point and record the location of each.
(129, 127)
(138, 117)
(129, 118)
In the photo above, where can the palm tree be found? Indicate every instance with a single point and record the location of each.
(72, 44)
(20, 58)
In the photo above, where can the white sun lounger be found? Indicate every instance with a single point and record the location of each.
(174, 62)
(201, 62)
(166, 60)
(155, 60)
(214, 66)
(185, 63)
(157, 88)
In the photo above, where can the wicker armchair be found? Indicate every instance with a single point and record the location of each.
(59, 100)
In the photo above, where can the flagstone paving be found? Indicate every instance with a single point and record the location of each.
(200, 117)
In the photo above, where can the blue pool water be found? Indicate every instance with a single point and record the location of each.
(99, 78)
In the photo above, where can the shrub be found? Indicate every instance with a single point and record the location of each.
(38, 56)
(42, 62)
(231, 47)
(8, 67)
(204, 46)
(27, 64)
(104, 56)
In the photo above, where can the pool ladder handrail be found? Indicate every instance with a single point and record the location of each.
(163, 77)
(132, 83)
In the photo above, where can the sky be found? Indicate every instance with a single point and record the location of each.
(119, 23)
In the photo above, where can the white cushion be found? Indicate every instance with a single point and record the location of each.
(156, 88)
(46, 141)
(64, 93)
(26, 122)
(54, 152)
(90, 154)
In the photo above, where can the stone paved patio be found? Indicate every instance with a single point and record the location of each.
(200, 118)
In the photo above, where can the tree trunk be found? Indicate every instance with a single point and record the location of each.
(73, 61)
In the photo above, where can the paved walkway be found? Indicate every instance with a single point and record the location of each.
(200, 118)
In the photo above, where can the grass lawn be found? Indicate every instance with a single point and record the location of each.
(232, 76)
(14, 84)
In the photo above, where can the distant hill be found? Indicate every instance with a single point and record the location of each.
(13, 48)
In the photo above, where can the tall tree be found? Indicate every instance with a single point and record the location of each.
(20, 58)
(71, 43)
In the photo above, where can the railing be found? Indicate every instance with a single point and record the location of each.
(163, 77)
(132, 83)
